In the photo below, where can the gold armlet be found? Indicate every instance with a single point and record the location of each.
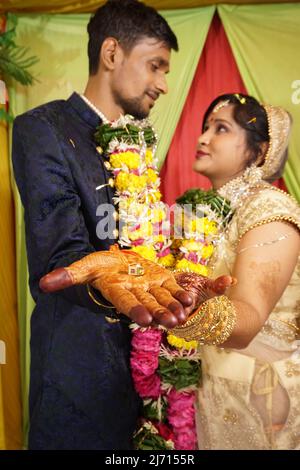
(212, 323)
(97, 301)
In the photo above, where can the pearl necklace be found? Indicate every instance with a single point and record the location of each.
(96, 110)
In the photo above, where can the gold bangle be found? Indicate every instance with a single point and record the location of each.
(212, 323)
(97, 301)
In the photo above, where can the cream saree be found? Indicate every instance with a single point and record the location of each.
(250, 399)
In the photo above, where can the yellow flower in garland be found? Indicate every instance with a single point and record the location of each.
(204, 250)
(159, 238)
(203, 225)
(167, 261)
(149, 157)
(154, 196)
(126, 204)
(145, 231)
(207, 251)
(131, 159)
(157, 214)
(130, 182)
(186, 265)
(151, 176)
(192, 244)
(180, 343)
(147, 252)
(132, 233)
(209, 227)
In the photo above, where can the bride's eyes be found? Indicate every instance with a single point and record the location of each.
(221, 128)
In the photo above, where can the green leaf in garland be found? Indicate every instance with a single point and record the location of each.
(180, 373)
(151, 412)
(129, 134)
(217, 203)
(146, 439)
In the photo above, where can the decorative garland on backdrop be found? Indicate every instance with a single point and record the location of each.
(165, 369)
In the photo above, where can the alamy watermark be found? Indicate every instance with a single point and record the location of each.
(160, 219)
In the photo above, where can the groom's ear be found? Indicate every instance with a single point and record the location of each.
(109, 53)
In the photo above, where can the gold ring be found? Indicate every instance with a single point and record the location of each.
(136, 270)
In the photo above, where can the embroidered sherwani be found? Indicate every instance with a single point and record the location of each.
(246, 393)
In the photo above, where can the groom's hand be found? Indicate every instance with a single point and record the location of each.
(153, 297)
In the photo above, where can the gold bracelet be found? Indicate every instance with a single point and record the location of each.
(212, 323)
(97, 301)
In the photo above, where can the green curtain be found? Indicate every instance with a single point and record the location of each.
(265, 40)
(60, 41)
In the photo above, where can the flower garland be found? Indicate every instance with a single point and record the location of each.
(206, 215)
(165, 369)
(130, 147)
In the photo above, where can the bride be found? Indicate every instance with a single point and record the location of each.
(250, 395)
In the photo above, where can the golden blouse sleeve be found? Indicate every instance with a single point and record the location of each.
(269, 205)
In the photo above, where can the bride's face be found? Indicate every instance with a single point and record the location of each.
(222, 149)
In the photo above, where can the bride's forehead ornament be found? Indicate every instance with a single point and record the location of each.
(220, 105)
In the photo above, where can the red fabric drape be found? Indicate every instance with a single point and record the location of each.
(217, 73)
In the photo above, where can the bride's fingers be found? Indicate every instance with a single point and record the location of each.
(219, 285)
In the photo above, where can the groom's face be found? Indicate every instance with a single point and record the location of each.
(140, 76)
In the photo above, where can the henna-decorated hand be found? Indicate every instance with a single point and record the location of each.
(202, 288)
(153, 297)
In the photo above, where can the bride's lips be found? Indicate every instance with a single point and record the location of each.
(200, 154)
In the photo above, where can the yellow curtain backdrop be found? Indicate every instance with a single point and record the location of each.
(265, 40)
(10, 396)
(83, 6)
(60, 42)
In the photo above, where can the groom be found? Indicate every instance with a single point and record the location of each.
(81, 393)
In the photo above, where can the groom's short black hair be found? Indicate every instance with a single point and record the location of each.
(128, 21)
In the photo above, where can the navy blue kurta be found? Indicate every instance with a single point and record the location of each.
(81, 392)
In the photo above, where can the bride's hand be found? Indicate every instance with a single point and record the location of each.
(202, 288)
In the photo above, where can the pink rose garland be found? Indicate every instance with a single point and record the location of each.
(146, 346)
(181, 415)
(144, 362)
